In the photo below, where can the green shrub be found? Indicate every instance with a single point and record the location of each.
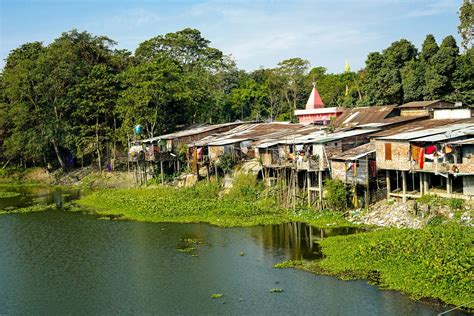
(336, 196)
(226, 162)
(246, 186)
(432, 262)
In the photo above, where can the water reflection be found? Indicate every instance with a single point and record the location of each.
(37, 195)
(298, 240)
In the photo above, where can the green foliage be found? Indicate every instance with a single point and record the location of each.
(466, 25)
(6, 194)
(288, 264)
(226, 162)
(245, 186)
(72, 101)
(336, 197)
(436, 201)
(217, 295)
(432, 262)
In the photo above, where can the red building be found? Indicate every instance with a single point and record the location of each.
(315, 111)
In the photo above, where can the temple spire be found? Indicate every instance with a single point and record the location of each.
(314, 100)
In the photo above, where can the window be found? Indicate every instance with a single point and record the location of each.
(388, 151)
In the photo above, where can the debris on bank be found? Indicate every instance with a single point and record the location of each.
(408, 214)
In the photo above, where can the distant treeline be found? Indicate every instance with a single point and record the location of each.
(76, 98)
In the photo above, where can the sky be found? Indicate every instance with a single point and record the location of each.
(255, 33)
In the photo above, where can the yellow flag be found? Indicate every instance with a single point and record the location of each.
(347, 67)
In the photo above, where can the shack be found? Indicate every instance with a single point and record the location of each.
(417, 108)
(424, 151)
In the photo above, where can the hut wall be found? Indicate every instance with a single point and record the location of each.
(352, 142)
(215, 152)
(467, 165)
(177, 142)
(393, 155)
(338, 169)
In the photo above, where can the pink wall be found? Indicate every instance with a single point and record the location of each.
(310, 118)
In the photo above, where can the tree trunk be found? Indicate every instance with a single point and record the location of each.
(56, 150)
(99, 158)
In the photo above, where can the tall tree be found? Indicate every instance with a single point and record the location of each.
(294, 72)
(466, 25)
(429, 48)
(155, 97)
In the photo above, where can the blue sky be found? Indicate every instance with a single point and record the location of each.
(256, 33)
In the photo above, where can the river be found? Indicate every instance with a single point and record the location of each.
(58, 262)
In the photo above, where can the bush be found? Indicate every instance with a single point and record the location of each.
(436, 201)
(226, 162)
(336, 197)
(245, 186)
(433, 262)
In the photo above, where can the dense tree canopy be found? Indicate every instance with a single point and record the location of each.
(73, 101)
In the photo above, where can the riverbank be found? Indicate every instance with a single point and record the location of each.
(246, 204)
(434, 263)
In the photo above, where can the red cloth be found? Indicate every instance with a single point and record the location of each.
(430, 149)
(421, 158)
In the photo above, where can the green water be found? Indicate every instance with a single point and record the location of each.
(58, 262)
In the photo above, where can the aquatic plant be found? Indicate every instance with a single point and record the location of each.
(432, 262)
(186, 249)
(28, 209)
(218, 295)
(6, 194)
(276, 290)
(202, 203)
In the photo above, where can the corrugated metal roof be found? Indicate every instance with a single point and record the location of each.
(341, 135)
(223, 142)
(420, 132)
(469, 141)
(450, 134)
(363, 115)
(357, 152)
(417, 126)
(199, 130)
(421, 104)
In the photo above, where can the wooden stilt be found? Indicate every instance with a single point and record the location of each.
(404, 186)
(308, 180)
(421, 183)
(320, 186)
(162, 173)
(426, 185)
(387, 180)
(449, 185)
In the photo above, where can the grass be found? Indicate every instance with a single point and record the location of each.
(5, 194)
(28, 209)
(434, 262)
(245, 205)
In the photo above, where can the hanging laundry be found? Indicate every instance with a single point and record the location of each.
(448, 149)
(199, 153)
(373, 168)
(430, 149)
(421, 158)
(355, 169)
(415, 152)
(349, 166)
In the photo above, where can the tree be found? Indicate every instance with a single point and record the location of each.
(413, 80)
(441, 69)
(463, 78)
(466, 23)
(429, 48)
(154, 97)
(294, 72)
(94, 97)
(187, 47)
